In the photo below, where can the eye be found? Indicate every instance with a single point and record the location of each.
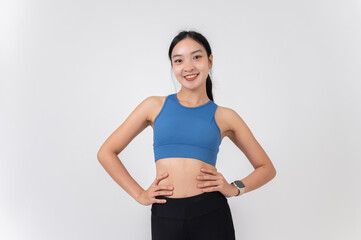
(198, 56)
(177, 60)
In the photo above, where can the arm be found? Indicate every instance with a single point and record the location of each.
(242, 137)
(107, 155)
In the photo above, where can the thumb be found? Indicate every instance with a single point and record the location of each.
(159, 178)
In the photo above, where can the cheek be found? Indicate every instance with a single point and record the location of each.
(178, 73)
(176, 70)
(202, 66)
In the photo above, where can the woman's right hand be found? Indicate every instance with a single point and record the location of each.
(147, 197)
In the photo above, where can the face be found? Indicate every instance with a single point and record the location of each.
(190, 57)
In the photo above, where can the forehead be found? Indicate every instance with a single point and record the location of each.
(186, 47)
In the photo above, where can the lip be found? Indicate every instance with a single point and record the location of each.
(191, 74)
(191, 79)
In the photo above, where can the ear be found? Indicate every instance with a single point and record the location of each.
(210, 60)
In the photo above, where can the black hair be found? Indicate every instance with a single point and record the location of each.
(201, 40)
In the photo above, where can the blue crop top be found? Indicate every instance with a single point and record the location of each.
(190, 132)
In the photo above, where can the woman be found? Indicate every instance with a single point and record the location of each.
(188, 196)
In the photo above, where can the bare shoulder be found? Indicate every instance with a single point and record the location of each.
(223, 116)
(240, 134)
(237, 130)
(150, 104)
(136, 122)
(154, 104)
(228, 120)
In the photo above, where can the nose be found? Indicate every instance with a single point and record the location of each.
(188, 66)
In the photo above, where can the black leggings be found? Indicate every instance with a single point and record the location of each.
(205, 216)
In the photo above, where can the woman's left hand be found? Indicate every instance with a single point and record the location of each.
(214, 181)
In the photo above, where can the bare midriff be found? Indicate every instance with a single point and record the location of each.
(182, 172)
(182, 175)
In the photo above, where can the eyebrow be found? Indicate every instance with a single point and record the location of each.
(179, 55)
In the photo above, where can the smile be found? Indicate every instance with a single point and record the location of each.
(191, 77)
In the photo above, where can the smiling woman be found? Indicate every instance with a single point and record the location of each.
(188, 195)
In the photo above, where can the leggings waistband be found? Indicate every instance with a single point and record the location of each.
(189, 207)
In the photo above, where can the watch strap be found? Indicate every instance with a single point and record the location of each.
(240, 190)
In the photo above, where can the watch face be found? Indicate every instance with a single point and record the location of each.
(239, 184)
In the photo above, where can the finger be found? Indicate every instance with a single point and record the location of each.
(159, 187)
(207, 184)
(210, 189)
(160, 177)
(206, 177)
(208, 171)
(163, 193)
(160, 200)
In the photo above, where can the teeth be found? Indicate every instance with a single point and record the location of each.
(191, 76)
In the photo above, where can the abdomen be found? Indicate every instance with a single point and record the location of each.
(182, 175)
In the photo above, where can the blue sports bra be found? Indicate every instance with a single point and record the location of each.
(191, 132)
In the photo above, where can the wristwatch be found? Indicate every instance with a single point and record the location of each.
(240, 187)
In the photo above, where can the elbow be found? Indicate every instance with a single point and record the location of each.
(271, 171)
(101, 155)
(274, 172)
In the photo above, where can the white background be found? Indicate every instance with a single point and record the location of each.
(72, 71)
